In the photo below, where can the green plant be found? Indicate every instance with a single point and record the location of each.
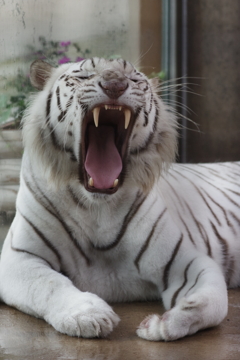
(13, 105)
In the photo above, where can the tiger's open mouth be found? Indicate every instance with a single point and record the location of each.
(105, 132)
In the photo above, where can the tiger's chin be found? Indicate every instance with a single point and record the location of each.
(106, 131)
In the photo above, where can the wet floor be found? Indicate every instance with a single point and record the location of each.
(23, 337)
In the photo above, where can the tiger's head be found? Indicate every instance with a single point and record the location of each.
(100, 121)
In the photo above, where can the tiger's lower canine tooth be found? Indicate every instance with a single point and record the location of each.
(90, 182)
(127, 114)
(96, 112)
(115, 183)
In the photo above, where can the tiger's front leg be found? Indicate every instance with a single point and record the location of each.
(196, 297)
(30, 285)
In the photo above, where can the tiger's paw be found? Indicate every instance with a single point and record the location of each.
(172, 325)
(150, 328)
(94, 318)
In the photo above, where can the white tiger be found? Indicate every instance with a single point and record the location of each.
(100, 217)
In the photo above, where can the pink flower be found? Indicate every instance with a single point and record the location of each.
(79, 59)
(65, 43)
(64, 60)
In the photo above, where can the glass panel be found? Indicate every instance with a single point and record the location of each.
(61, 31)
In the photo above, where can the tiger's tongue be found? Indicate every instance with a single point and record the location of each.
(103, 162)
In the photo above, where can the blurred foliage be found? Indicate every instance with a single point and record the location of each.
(12, 107)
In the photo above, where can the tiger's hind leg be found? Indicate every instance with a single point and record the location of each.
(196, 301)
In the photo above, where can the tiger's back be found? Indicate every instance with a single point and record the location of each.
(204, 201)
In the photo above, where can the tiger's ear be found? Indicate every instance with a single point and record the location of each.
(40, 72)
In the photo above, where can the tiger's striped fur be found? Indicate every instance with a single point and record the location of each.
(170, 233)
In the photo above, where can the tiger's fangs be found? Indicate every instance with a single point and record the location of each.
(127, 114)
(91, 182)
(106, 131)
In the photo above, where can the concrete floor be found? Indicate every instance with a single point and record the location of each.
(23, 337)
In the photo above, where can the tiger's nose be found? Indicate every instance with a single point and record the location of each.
(113, 83)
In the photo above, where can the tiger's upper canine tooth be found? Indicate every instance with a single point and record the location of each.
(96, 112)
(127, 114)
(115, 183)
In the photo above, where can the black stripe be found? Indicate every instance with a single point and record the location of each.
(86, 98)
(195, 172)
(136, 93)
(145, 118)
(198, 224)
(235, 217)
(57, 215)
(69, 84)
(81, 78)
(230, 271)
(93, 63)
(202, 231)
(207, 204)
(48, 107)
(195, 283)
(36, 197)
(87, 85)
(129, 216)
(39, 200)
(58, 98)
(187, 229)
(203, 198)
(147, 241)
(84, 108)
(144, 147)
(30, 253)
(223, 210)
(156, 115)
(90, 90)
(124, 64)
(53, 138)
(200, 175)
(170, 262)
(151, 102)
(71, 152)
(228, 176)
(69, 103)
(234, 192)
(231, 200)
(82, 63)
(62, 116)
(173, 190)
(150, 137)
(76, 199)
(224, 245)
(175, 295)
(44, 239)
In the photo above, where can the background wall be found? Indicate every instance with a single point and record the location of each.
(214, 65)
(108, 27)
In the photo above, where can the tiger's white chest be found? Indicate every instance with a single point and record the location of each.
(114, 241)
